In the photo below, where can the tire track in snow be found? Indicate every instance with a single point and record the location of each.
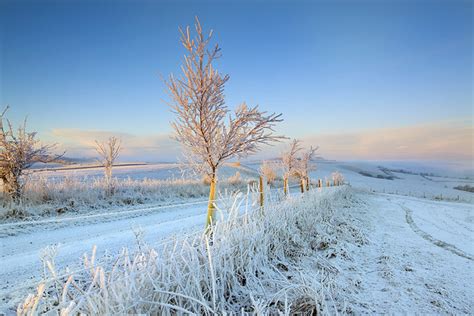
(431, 239)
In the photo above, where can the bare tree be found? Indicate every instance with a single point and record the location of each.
(267, 169)
(305, 165)
(290, 163)
(108, 152)
(337, 178)
(18, 152)
(204, 125)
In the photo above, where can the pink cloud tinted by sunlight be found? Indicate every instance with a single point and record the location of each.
(450, 140)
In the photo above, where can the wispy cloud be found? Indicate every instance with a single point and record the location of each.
(449, 140)
(80, 143)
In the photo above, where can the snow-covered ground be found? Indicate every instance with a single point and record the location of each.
(431, 183)
(419, 258)
(87, 172)
(440, 186)
(422, 269)
(138, 171)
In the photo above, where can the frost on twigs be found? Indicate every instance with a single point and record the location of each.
(204, 124)
(306, 165)
(210, 133)
(19, 151)
(296, 163)
(289, 159)
(268, 171)
(337, 178)
(108, 152)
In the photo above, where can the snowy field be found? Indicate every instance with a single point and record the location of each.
(418, 258)
(440, 185)
(135, 171)
(78, 190)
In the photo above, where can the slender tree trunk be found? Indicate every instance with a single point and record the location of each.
(302, 185)
(212, 196)
(285, 185)
(307, 183)
(108, 180)
(108, 173)
(260, 188)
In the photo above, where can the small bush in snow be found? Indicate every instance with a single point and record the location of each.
(268, 171)
(235, 179)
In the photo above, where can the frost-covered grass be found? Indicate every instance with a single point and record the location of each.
(53, 192)
(271, 261)
(43, 197)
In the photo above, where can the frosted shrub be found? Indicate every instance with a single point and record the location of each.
(235, 179)
(268, 171)
(277, 263)
(337, 178)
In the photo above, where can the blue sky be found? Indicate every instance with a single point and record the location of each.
(90, 68)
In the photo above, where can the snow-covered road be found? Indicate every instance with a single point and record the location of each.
(20, 253)
(407, 270)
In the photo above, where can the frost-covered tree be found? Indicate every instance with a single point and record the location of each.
(305, 164)
(290, 162)
(267, 170)
(204, 124)
(108, 152)
(19, 151)
(337, 178)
